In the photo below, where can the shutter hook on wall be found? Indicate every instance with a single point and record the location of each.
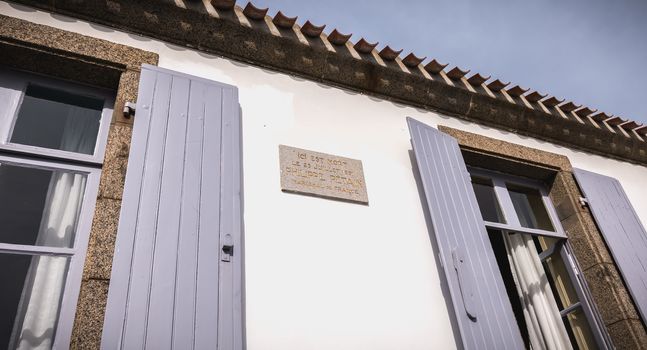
(129, 109)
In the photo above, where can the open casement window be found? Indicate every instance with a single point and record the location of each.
(177, 271)
(52, 136)
(541, 276)
(507, 262)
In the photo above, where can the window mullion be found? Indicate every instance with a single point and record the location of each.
(506, 202)
(35, 250)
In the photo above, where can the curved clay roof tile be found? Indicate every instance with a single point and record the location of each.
(630, 125)
(641, 130)
(364, 46)
(516, 91)
(388, 54)
(282, 21)
(534, 96)
(312, 30)
(253, 12)
(412, 60)
(551, 101)
(584, 111)
(435, 67)
(615, 120)
(456, 73)
(338, 38)
(477, 79)
(497, 85)
(568, 107)
(600, 116)
(223, 4)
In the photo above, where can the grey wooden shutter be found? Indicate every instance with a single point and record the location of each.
(481, 305)
(624, 234)
(175, 283)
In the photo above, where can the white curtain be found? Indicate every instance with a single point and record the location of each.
(35, 325)
(545, 327)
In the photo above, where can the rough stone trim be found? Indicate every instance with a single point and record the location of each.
(76, 57)
(609, 292)
(226, 33)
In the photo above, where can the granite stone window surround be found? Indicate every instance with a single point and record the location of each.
(74, 57)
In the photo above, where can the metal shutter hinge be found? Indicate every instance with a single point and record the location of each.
(584, 202)
(129, 109)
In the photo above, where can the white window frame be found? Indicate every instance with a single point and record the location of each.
(12, 89)
(561, 247)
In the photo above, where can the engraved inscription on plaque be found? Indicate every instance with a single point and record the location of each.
(321, 174)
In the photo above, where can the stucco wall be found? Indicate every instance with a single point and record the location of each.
(324, 274)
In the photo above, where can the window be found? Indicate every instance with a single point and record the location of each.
(533, 255)
(52, 140)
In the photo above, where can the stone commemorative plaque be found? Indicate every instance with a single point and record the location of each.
(323, 175)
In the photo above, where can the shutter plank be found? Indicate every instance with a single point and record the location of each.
(124, 247)
(162, 289)
(181, 191)
(206, 324)
(230, 277)
(483, 312)
(185, 301)
(146, 220)
(622, 230)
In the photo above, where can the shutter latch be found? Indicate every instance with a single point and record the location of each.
(227, 249)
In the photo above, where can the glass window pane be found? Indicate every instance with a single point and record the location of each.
(39, 206)
(486, 198)
(560, 281)
(30, 299)
(58, 120)
(529, 206)
(579, 330)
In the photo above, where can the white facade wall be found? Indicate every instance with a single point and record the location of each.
(324, 274)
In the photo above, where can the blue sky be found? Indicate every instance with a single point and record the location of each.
(592, 52)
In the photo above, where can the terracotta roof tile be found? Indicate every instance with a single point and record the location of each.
(477, 79)
(282, 21)
(412, 60)
(338, 38)
(615, 121)
(630, 125)
(534, 96)
(312, 30)
(223, 4)
(254, 13)
(516, 91)
(584, 111)
(600, 117)
(364, 46)
(551, 101)
(568, 107)
(497, 85)
(641, 129)
(388, 54)
(456, 73)
(435, 67)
